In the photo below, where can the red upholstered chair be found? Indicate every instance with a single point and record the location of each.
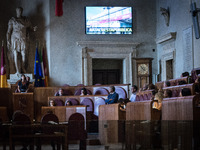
(149, 96)
(78, 92)
(76, 130)
(122, 93)
(137, 98)
(66, 85)
(58, 102)
(175, 93)
(97, 103)
(141, 98)
(49, 117)
(74, 101)
(89, 103)
(80, 85)
(101, 91)
(145, 97)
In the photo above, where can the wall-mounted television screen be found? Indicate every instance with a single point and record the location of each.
(108, 20)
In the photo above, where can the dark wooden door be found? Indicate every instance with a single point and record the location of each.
(107, 76)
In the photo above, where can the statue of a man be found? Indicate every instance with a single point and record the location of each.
(17, 39)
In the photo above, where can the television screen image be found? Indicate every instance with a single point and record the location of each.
(108, 20)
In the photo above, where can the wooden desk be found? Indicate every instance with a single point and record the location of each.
(64, 112)
(24, 102)
(3, 114)
(36, 132)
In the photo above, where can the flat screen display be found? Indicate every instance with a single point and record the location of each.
(108, 20)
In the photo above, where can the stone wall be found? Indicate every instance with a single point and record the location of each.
(60, 34)
(180, 23)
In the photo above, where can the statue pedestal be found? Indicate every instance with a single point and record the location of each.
(15, 77)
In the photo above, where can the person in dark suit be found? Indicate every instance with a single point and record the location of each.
(112, 97)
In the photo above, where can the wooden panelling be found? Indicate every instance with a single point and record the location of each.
(24, 102)
(111, 124)
(3, 114)
(181, 108)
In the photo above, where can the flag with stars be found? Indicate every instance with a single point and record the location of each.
(38, 71)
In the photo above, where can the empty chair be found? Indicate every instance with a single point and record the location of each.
(121, 92)
(73, 101)
(149, 95)
(66, 85)
(101, 91)
(80, 85)
(89, 103)
(22, 131)
(145, 97)
(137, 98)
(76, 130)
(50, 119)
(97, 103)
(141, 98)
(58, 102)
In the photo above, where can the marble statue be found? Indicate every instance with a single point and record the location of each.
(165, 13)
(18, 40)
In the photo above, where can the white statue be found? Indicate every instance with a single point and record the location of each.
(17, 39)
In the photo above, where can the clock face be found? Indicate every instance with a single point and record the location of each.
(143, 69)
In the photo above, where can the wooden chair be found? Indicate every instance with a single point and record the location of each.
(58, 102)
(76, 130)
(101, 91)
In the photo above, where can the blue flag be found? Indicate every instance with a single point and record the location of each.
(38, 71)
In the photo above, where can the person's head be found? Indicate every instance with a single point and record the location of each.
(181, 82)
(134, 89)
(151, 86)
(111, 89)
(19, 11)
(68, 103)
(51, 103)
(185, 92)
(23, 77)
(167, 93)
(83, 91)
(27, 78)
(167, 84)
(61, 91)
(185, 74)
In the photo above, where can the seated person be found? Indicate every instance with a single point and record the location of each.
(151, 86)
(84, 91)
(60, 92)
(23, 85)
(112, 97)
(168, 93)
(68, 103)
(182, 82)
(185, 74)
(51, 103)
(185, 92)
(123, 103)
(153, 93)
(167, 84)
(134, 92)
(158, 98)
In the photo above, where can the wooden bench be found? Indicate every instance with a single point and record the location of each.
(181, 108)
(176, 89)
(141, 119)
(111, 124)
(180, 121)
(41, 94)
(173, 82)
